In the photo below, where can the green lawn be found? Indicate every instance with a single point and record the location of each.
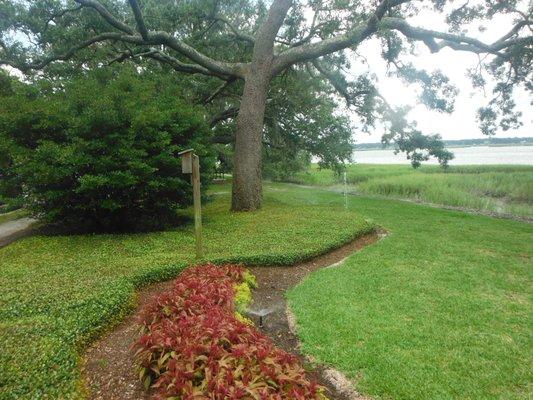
(12, 215)
(501, 189)
(58, 293)
(439, 309)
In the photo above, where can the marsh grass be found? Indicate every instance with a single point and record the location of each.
(500, 189)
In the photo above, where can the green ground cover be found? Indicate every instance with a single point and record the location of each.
(58, 293)
(439, 309)
(12, 215)
(502, 189)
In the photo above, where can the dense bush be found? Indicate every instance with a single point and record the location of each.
(10, 185)
(281, 167)
(101, 152)
(194, 345)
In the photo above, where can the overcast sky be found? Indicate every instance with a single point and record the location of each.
(461, 124)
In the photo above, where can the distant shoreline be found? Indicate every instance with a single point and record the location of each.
(464, 146)
(462, 143)
(463, 155)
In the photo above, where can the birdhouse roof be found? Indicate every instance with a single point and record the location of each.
(185, 152)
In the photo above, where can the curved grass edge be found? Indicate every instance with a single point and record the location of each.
(424, 240)
(151, 276)
(63, 292)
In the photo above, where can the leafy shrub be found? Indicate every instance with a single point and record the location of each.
(279, 166)
(194, 345)
(101, 153)
(243, 297)
(10, 185)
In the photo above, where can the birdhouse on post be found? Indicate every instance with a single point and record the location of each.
(186, 160)
(190, 164)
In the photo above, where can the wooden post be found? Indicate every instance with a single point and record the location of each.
(345, 190)
(197, 205)
(190, 164)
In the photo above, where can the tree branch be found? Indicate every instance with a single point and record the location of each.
(179, 66)
(224, 115)
(206, 65)
(311, 51)
(351, 38)
(123, 56)
(312, 29)
(40, 64)
(176, 64)
(164, 38)
(163, 58)
(217, 67)
(141, 27)
(456, 42)
(105, 14)
(515, 29)
(339, 86)
(238, 34)
(59, 15)
(218, 91)
(378, 21)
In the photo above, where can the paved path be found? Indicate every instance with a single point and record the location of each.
(13, 230)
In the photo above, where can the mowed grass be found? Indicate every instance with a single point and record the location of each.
(58, 293)
(12, 215)
(439, 309)
(499, 189)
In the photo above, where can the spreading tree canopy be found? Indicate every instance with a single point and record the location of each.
(249, 45)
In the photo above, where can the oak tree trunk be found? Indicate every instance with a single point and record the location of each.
(247, 188)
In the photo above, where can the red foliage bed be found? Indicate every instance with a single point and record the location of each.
(194, 347)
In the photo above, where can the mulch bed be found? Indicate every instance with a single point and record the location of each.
(109, 365)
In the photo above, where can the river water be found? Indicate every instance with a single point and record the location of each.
(463, 156)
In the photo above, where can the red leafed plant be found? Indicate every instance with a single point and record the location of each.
(193, 346)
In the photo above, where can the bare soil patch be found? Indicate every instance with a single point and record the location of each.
(109, 364)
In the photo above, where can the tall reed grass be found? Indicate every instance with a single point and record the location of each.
(500, 189)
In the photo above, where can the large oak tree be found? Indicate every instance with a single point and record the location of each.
(269, 39)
